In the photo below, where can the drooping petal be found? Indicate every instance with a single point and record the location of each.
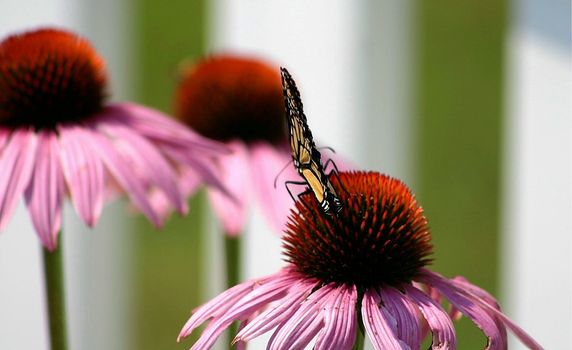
(235, 175)
(407, 317)
(216, 307)
(44, 195)
(275, 201)
(469, 308)
(261, 295)
(125, 176)
(84, 173)
(4, 137)
(439, 322)
(203, 166)
(240, 344)
(161, 128)
(379, 324)
(303, 325)
(188, 183)
(339, 330)
(277, 314)
(16, 167)
(150, 160)
(487, 301)
(483, 295)
(518, 332)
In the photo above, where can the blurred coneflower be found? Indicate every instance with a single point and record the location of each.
(364, 268)
(59, 138)
(238, 100)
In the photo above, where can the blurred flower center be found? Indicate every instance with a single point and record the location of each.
(227, 97)
(47, 77)
(380, 237)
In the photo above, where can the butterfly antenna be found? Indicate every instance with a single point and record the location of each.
(331, 149)
(280, 172)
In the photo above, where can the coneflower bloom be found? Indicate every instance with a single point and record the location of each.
(364, 268)
(238, 100)
(59, 138)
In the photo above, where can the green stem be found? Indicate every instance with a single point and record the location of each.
(360, 339)
(232, 247)
(55, 295)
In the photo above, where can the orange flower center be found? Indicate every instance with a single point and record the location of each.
(226, 97)
(379, 237)
(49, 76)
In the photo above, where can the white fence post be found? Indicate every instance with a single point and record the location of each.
(94, 261)
(537, 242)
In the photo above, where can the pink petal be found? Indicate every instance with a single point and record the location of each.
(125, 176)
(468, 307)
(273, 289)
(161, 128)
(518, 332)
(147, 157)
(4, 137)
(339, 321)
(83, 172)
(463, 284)
(275, 315)
(188, 183)
(379, 324)
(235, 175)
(267, 162)
(303, 335)
(44, 195)
(489, 303)
(240, 344)
(216, 307)
(438, 320)
(205, 167)
(17, 165)
(407, 317)
(303, 325)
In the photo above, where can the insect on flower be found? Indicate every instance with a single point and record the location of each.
(306, 157)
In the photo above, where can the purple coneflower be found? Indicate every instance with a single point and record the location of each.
(365, 267)
(238, 100)
(59, 138)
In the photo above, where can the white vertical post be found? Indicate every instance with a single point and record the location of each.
(97, 259)
(94, 261)
(23, 323)
(350, 61)
(385, 88)
(537, 242)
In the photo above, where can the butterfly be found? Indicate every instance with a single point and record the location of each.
(306, 157)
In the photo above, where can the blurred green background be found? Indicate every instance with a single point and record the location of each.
(459, 58)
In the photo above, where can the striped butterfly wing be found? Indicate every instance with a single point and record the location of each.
(307, 159)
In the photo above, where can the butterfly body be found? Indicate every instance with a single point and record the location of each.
(306, 157)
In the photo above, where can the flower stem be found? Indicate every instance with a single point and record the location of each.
(232, 247)
(55, 295)
(360, 340)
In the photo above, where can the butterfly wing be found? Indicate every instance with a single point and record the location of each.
(307, 159)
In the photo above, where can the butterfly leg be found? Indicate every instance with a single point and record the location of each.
(335, 172)
(299, 195)
(330, 161)
(293, 183)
